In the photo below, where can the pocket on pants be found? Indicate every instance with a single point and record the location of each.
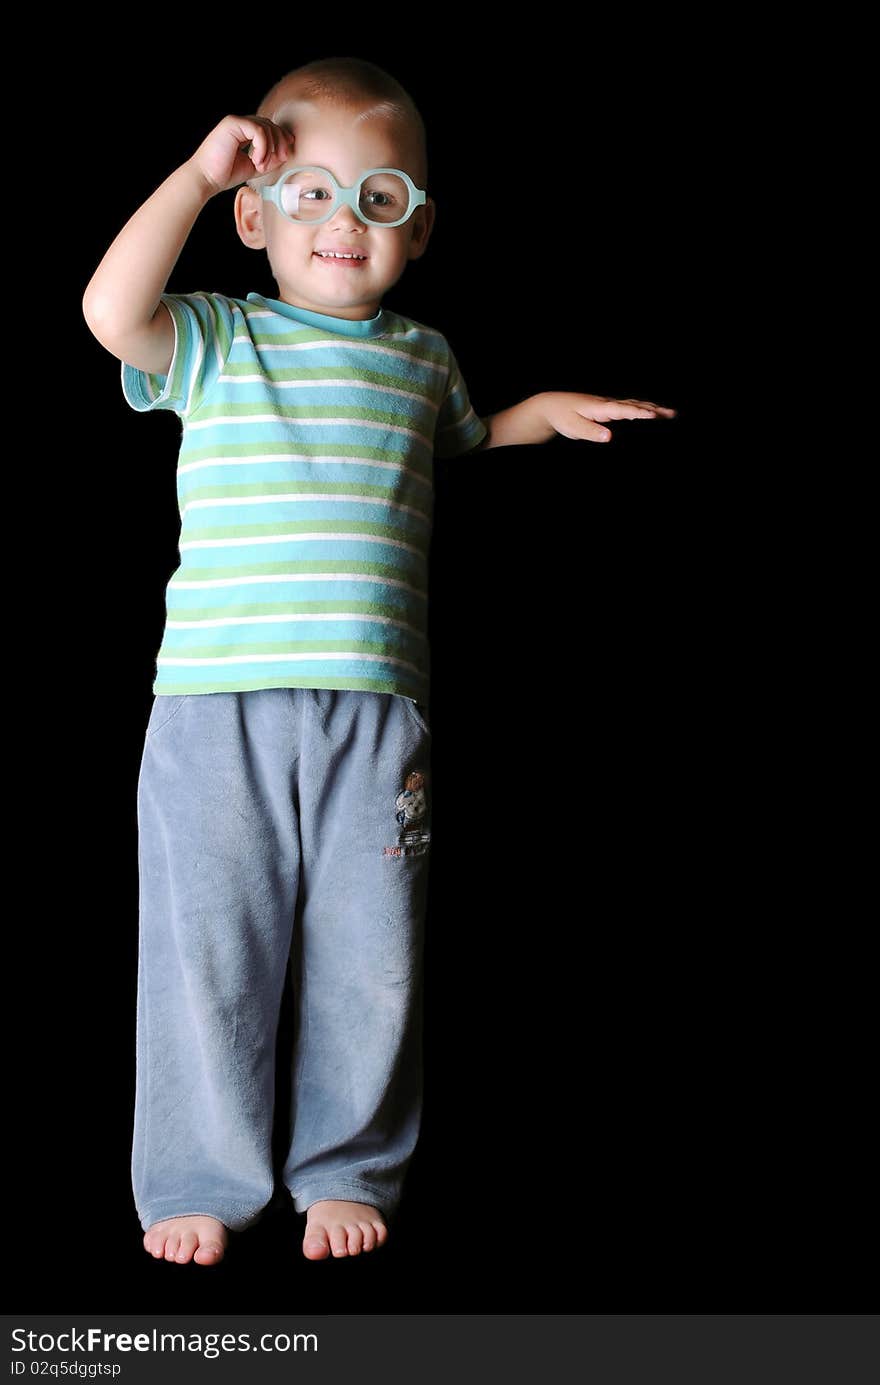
(419, 713)
(164, 707)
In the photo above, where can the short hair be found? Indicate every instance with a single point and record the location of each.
(348, 81)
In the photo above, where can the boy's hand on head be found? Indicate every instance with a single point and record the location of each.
(581, 416)
(240, 147)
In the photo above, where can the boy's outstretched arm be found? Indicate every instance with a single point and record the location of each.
(540, 417)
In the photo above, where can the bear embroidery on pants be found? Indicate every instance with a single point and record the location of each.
(411, 807)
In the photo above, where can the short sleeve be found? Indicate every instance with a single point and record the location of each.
(204, 328)
(458, 427)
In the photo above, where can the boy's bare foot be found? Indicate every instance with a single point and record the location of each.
(342, 1228)
(181, 1239)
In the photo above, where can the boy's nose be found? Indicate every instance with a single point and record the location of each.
(344, 216)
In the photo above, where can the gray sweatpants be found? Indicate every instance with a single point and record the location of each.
(272, 819)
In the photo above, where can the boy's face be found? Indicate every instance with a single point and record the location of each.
(334, 138)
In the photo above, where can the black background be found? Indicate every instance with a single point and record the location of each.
(629, 1098)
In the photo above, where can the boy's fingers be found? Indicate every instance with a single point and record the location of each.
(590, 432)
(618, 409)
(647, 404)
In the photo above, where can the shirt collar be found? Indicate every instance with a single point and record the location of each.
(349, 327)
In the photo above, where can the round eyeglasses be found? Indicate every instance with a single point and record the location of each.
(381, 196)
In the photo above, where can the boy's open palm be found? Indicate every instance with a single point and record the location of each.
(224, 161)
(580, 415)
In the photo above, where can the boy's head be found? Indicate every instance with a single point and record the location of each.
(347, 116)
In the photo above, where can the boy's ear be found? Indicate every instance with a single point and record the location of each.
(249, 217)
(423, 224)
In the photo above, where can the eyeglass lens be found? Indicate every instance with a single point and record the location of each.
(307, 196)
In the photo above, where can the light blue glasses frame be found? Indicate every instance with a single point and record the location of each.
(348, 197)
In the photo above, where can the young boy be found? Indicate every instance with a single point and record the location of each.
(284, 792)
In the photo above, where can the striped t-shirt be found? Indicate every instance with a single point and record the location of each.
(305, 491)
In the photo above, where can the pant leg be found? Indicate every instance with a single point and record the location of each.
(219, 872)
(358, 949)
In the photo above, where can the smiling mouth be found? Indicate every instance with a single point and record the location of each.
(328, 257)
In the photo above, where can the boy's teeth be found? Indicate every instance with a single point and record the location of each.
(332, 255)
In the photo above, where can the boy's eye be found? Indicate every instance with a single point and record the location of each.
(384, 198)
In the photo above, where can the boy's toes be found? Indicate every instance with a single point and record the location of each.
(209, 1254)
(339, 1240)
(368, 1232)
(338, 1227)
(190, 1237)
(315, 1245)
(188, 1244)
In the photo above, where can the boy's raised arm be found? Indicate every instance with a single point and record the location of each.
(121, 303)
